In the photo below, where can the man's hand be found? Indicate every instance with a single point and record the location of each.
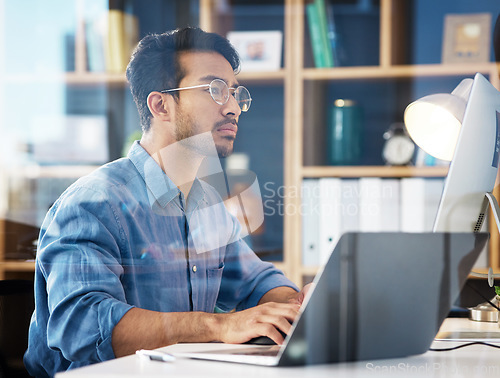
(263, 320)
(276, 312)
(299, 297)
(143, 329)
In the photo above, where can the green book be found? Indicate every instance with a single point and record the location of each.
(315, 35)
(323, 25)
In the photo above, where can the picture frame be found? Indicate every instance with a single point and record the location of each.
(466, 38)
(258, 50)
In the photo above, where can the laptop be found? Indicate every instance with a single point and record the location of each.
(380, 295)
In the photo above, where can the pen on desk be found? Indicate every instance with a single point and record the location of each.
(156, 355)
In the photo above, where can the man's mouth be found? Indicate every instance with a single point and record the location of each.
(228, 129)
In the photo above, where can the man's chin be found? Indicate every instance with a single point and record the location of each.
(224, 150)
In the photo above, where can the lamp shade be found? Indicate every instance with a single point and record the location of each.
(434, 121)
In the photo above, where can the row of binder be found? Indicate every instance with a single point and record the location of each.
(333, 206)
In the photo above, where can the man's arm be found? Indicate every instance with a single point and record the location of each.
(143, 329)
(285, 294)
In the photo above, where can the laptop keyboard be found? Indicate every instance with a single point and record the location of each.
(269, 351)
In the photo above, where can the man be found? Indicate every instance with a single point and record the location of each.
(141, 253)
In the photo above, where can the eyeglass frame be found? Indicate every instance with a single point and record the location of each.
(211, 95)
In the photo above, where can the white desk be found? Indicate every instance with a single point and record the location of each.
(472, 361)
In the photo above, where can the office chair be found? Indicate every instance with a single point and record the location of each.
(16, 306)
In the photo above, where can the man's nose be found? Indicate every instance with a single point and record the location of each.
(231, 107)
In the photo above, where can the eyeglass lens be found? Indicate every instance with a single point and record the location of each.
(220, 93)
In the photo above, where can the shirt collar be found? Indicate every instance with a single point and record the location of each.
(161, 188)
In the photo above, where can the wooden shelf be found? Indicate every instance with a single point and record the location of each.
(57, 171)
(69, 78)
(18, 266)
(104, 78)
(265, 77)
(373, 171)
(402, 71)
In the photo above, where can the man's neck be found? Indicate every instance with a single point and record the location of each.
(180, 165)
(179, 162)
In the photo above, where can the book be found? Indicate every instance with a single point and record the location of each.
(131, 33)
(310, 222)
(329, 216)
(323, 24)
(315, 35)
(122, 35)
(413, 204)
(390, 197)
(349, 205)
(423, 159)
(370, 204)
(318, 32)
(433, 192)
(115, 43)
(94, 37)
(333, 36)
(420, 199)
(96, 29)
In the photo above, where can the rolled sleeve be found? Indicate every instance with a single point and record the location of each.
(109, 314)
(247, 278)
(270, 278)
(82, 269)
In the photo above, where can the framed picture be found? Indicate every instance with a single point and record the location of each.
(258, 50)
(467, 38)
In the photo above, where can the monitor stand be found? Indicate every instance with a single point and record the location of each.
(487, 311)
(489, 201)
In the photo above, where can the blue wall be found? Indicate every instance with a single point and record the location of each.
(428, 24)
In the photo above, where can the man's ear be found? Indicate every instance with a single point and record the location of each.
(161, 106)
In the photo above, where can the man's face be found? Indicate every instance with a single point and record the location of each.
(196, 111)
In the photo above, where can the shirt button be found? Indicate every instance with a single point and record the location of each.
(195, 269)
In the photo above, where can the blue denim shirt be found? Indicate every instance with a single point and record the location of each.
(125, 237)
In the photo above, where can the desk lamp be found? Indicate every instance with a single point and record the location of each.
(462, 127)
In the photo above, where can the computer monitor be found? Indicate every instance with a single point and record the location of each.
(474, 167)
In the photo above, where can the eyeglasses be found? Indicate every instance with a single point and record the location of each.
(220, 93)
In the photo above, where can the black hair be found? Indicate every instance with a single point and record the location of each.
(154, 65)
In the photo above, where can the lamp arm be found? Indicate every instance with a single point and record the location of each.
(490, 199)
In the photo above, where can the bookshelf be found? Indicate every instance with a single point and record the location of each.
(302, 82)
(373, 171)
(303, 89)
(64, 71)
(160, 16)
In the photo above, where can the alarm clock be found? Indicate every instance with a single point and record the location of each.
(398, 147)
